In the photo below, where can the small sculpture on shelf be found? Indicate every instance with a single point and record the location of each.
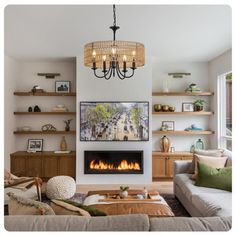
(36, 89)
(60, 108)
(193, 127)
(48, 127)
(161, 108)
(37, 109)
(67, 122)
(30, 109)
(192, 88)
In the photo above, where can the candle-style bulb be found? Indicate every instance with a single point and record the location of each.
(94, 53)
(113, 51)
(104, 58)
(124, 58)
(133, 53)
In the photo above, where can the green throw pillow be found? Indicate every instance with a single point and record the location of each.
(214, 178)
(92, 211)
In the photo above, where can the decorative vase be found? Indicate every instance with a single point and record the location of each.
(199, 144)
(157, 107)
(172, 109)
(123, 194)
(192, 149)
(63, 144)
(165, 144)
(165, 108)
(165, 85)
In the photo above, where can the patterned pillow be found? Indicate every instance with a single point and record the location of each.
(23, 206)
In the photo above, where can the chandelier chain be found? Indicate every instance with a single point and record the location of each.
(114, 15)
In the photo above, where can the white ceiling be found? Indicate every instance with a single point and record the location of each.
(169, 32)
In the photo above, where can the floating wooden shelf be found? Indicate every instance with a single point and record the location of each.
(45, 132)
(197, 113)
(176, 153)
(183, 132)
(182, 94)
(43, 113)
(44, 94)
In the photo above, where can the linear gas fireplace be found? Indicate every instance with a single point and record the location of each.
(113, 162)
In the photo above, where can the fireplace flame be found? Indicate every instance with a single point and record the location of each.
(124, 165)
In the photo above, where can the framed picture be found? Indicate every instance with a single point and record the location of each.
(62, 86)
(170, 125)
(114, 121)
(187, 106)
(35, 145)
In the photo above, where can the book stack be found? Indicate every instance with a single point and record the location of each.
(60, 108)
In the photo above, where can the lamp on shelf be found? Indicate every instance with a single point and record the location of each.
(114, 57)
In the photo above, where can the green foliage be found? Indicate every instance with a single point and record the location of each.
(199, 102)
(135, 115)
(229, 77)
(124, 188)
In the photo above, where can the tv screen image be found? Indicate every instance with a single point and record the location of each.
(114, 121)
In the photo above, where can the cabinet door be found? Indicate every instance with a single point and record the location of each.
(50, 166)
(158, 167)
(67, 166)
(34, 166)
(18, 166)
(170, 166)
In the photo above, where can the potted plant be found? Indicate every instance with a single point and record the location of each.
(199, 105)
(124, 191)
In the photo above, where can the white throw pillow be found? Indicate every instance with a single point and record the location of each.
(210, 152)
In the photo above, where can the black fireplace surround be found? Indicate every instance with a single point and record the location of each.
(113, 162)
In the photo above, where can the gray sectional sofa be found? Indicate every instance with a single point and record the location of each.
(137, 222)
(201, 201)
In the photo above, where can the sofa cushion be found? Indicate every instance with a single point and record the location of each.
(188, 186)
(191, 224)
(214, 177)
(23, 206)
(217, 204)
(138, 222)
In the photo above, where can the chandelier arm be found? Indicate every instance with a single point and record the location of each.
(98, 76)
(108, 74)
(129, 76)
(119, 73)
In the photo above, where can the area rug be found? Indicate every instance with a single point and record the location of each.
(175, 205)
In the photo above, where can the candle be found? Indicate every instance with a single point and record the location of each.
(94, 59)
(133, 62)
(124, 63)
(104, 63)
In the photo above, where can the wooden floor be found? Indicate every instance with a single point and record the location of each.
(163, 187)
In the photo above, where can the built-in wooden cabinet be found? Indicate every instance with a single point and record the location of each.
(43, 164)
(163, 164)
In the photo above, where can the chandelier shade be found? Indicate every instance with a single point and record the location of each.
(100, 50)
(115, 57)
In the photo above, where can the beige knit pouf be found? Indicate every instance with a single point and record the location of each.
(60, 187)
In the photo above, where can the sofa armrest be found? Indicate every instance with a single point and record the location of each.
(181, 166)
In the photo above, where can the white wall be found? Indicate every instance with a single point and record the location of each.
(218, 66)
(23, 80)
(137, 88)
(11, 71)
(199, 75)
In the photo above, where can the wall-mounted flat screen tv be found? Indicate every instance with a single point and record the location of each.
(114, 121)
